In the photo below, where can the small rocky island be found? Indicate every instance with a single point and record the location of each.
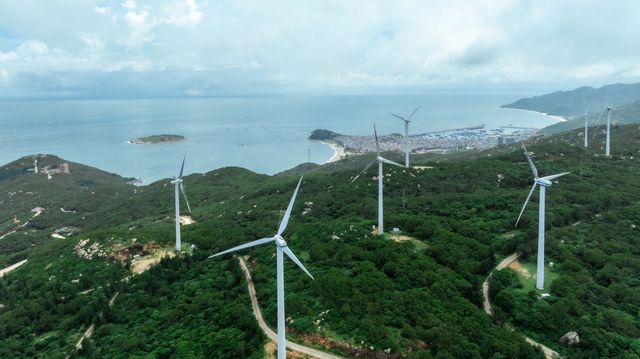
(157, 139)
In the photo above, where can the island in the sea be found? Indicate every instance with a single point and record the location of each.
(157, 139)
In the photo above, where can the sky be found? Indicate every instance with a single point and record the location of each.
(157, 48)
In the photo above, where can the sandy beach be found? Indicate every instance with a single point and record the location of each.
(338, 152)
(557, 118)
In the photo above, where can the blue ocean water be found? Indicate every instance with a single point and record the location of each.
(266, 134)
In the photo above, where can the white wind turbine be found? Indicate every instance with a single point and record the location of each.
(179, 187)
(406, 134)
(608, 144)
(380, 161)
(586, 127)
(281, 247)
(544, 182)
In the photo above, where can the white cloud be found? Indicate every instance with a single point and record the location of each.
(129, 4)
(8, 56)
(104, 10)
(328, 43)
(183, 13)
(4, 75)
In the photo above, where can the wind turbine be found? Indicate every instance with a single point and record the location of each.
(544, 182)
(380, 161)
(608, 144)
(406, 134)
(177, 182)
(586, 127)
(281, 247)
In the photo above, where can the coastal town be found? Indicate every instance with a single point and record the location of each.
(467, 138)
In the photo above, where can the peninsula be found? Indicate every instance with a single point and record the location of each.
(474, 137)
(157, 139)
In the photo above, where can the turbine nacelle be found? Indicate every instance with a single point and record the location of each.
(176, 181)
(280, 242)
(542, 182)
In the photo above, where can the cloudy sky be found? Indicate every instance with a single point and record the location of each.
(143, 48)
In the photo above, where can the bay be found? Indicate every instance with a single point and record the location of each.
(266, 134)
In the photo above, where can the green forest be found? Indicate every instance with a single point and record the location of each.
(418, 296)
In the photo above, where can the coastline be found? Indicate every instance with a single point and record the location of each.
(338, 151)
(555, 117)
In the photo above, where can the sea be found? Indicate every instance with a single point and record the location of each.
(266, 134)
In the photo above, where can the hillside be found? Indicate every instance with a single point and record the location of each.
(573, 103)
(418, 298)
(625, 114)
(36, 206)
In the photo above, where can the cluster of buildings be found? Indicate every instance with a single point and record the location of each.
(477, 137)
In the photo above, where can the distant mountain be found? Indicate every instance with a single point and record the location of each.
(625, 114)
(573, 103)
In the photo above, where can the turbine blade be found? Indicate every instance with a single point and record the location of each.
(181, 168)
(295, 259)
(375, 133)
(400, 117)
(413, 113)
(549, 178)
(390, 162)
(598, 119)
(525, 203)
(533, 167)
(364, 170)
(184, 195)
(285, 219)
(243, 246)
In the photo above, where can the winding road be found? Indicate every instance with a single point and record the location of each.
(548, 352)
(270, 333)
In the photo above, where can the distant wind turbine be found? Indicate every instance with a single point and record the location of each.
(281, 247)
(380, 161)
(608, 144)
(179, 187)
(586, 127)
(406, 134)
(544, 182)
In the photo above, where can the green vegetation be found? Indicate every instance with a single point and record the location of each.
(527, 276)
(321, 135)
(419, 298)
(572, 105)
(575, 102)
(157, 139)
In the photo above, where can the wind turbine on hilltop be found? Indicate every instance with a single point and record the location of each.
(281, 247)
(406, 134)
(544, 182)
(380, 161)
(608, 144)
(179, 187)
(586, 127)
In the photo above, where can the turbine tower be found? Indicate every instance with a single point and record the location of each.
(608, 144)
(281, 247)
(179, 187)
(406, 134)
(544, 182)
(380, 161)
(586, 127)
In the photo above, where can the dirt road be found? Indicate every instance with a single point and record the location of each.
(270, 333)
(548, 352)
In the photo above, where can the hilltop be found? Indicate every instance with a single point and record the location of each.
(418, 299)
(572, 105)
